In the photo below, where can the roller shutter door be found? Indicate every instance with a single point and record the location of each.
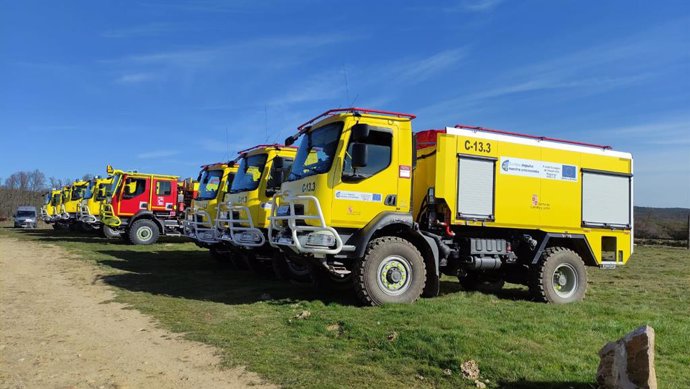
(476, 178)
(605, 199)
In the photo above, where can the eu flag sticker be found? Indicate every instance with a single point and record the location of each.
(569, 172)
(376, 197)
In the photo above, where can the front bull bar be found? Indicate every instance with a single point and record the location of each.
(240, 234)
(293, 241)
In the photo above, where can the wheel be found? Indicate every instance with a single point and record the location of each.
(256, 265)
(392, 271)
(327, 282)
(110, 232)
(560, 277)
(289, 270)
(223, 257)
(475, 281)
(143, 231)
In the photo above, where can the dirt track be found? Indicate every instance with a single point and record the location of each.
(59, 329)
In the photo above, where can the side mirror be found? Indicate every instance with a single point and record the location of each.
(278, 163)
(290, 140)
(360, 155)
(359, 132)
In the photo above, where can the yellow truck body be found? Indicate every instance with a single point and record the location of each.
(71, 199)
(201, 217)
(51, 209)
(368, 199)
(94, 197)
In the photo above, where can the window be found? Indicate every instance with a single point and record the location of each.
(209, 183)
(316, 151)
(101, 192)
(78, 192)
(605, 199)
(249, 173)
(133, 187)
(476, 178)
(379, 143)
(163, 188)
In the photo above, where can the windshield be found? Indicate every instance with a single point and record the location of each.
(98, 192)
(26, 213)
(78, 192)
(209, 182)
(316, 151)
(57, 198)
(249, 173)
(228, 182)
(113, 185)
(89, 190)
(46, 201)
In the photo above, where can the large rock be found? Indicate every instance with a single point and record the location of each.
(628, 363)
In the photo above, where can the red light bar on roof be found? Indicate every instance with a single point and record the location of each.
(355, 110)
(546, 138)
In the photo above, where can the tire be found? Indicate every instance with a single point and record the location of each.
(560, 277)
(289, 270)
(110, 232)
(223, 257)
(474, 281)
(392, 271)
(324, 281)
(256, 265)
(143, 232)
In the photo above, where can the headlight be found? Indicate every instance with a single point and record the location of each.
(250, 237)
(320, 239)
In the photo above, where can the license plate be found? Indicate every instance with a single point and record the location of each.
(247, 237)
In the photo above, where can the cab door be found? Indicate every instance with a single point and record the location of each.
(362, 193)
(134, 195)
(164, 195)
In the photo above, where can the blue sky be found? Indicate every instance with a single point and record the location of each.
(155, 85)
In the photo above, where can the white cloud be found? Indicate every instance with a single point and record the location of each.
(479, 5)
(136, 78)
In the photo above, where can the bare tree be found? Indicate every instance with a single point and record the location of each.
(37, 180)
(87, 177)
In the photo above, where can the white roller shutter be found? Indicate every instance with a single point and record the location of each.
(476, 188)
(605, 199)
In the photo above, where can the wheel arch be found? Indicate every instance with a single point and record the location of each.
(150, 216)
(576, 242)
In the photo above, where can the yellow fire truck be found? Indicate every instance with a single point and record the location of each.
(201, 217)
(370, 202)
(50, 209)
(90, 207)
(262, 169)
(71, 200)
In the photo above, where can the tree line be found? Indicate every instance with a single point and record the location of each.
(27, 188)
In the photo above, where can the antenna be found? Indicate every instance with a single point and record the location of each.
(227, 143)
(347, 85)
(266, 121)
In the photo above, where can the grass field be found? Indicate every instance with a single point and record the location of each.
(517, 343)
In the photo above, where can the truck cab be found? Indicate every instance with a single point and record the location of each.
(143, 206)
(261, 171)
(369, 203)
(49, 210)
(71, 201)
(90, 207)
(200, 218)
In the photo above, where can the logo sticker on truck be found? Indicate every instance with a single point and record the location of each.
(358, 196)
(538, 169)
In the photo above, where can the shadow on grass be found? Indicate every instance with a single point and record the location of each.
(546, 385)
(52, 235)
(195, 275)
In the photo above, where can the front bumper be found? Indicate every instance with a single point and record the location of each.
(197, 225)
(239, 227)
(296, 235)
(85, 215)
